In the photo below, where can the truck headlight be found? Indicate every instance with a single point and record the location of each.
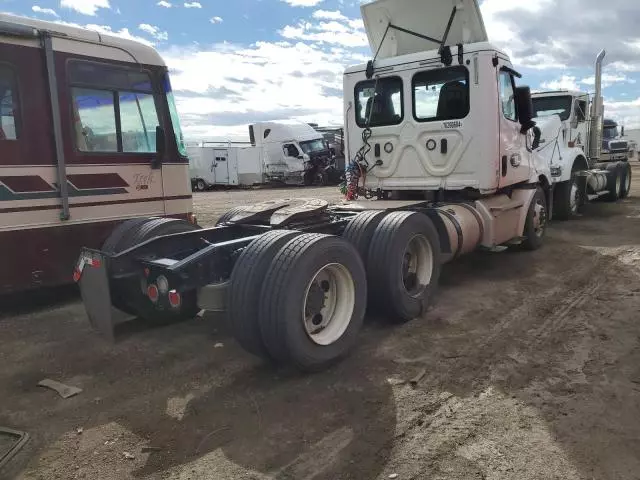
(604, 150)
(556, 171)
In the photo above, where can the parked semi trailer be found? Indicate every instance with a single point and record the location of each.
(435, 113)
(587, 158)
(89, 135)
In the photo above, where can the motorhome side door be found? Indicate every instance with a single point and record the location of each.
(514, 158)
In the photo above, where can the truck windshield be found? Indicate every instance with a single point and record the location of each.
(313, 146)
(175, 118)
(546, 106)
(610, 132)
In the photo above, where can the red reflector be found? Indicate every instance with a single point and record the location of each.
(76, 275)
(146, 272)
(95, 263)
(174, 299)
(152, 293)
(572, 144)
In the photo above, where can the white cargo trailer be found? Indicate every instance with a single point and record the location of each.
(234, 165)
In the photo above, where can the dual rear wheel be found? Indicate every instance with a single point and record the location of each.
(301, 299)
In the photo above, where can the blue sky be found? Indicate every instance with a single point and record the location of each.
(238, 61)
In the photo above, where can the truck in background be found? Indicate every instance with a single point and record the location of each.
(289, 152)
(89, 137)
(587, 158)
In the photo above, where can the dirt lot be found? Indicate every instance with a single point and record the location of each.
(532, 367)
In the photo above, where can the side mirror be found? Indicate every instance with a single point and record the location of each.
(622, 131)
(161, 147)
(524, 106)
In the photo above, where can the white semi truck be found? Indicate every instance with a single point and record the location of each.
(435, 115)
(587, 158)
(289, 152)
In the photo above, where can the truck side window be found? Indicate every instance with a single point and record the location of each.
(291, 150)
(8, 105)
(580, 110)
(507, 97)
(114, 108)
(441, 94)
(379, 103)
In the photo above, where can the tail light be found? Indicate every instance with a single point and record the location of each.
(174, 299)
(76, 275)
(572, 144)
(191, 218)
(153, 293)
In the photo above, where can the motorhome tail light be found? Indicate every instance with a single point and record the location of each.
(76, 275)
(572, 144)
(153, 293)
(174, 299)
(163, 284)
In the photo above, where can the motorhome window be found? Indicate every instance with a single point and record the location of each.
(379, 102)
(95, 120)
(507, 96)
(266, 133)
(138, 122)
(313, 146)
(110, 77)
(175, 118)
(221, 159)
(8, 105)
(441, 94)
(545, 106)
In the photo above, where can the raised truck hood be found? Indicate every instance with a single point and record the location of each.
(425, 17)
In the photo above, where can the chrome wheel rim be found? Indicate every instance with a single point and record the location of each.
(618, 185)
(574, 200)
(329, 303)
(417, 265)
(539, 218)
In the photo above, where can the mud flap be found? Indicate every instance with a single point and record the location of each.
(92, 269)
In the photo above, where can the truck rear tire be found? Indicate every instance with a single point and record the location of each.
(403, 265)
(626, 181)
(360, 229)
(535, 226)
(567, 199)
(200, 185)
(131, 299)
(228, 215)
(614, 182)
(313, 302)
(247, 279)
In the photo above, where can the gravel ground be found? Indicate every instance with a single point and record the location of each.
(532, 365)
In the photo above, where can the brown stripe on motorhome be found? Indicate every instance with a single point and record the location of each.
(87, 181)
(94, 204)
(26, 183)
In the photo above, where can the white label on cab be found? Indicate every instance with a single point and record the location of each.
(453, 124)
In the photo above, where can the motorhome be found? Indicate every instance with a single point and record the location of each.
(289, 152)
(89, 136)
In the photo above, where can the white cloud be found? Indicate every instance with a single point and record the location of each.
(44, 11)
(154, 31)
(266, 81)
(566, 82)
(608, 79)
(303, 3)
(164, 3)
(216, 20)
(86, 7)
(192, 5)
(329, 15)
(349, 34)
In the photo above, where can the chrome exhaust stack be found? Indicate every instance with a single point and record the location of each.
(597, 112)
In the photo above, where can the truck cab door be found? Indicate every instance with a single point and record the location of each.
(514, 157)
